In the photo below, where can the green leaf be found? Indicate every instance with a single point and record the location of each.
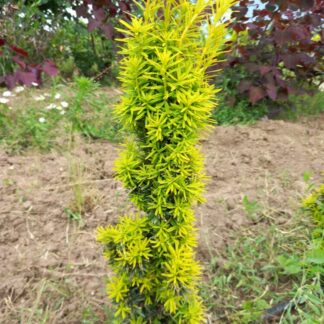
(315, 256)
(290, 265)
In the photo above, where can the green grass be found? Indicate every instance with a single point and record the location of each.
(28, 123)
(29, 127)
(265, 264)
(91, 112)
(304, 106)
(243, 113)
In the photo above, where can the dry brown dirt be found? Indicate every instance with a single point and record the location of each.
(52, 269)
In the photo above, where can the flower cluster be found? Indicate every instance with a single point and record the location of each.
(60, 106)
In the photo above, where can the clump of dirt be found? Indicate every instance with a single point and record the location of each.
(51, 266)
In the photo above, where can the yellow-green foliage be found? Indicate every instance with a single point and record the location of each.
(314, 204)
(167, 102)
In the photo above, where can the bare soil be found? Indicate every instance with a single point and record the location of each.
(52, 269)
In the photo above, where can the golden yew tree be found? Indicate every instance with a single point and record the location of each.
(166, 104)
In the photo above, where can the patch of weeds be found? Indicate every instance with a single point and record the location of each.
(240, 113)
(251, 207)
(264, 266)
(74, 216)
(84, 197)
(305, 105)
(76, 176)
(91, 112)
(37, 119)
(29, 127)
(47, 300)
(286, 179)
(90, 316)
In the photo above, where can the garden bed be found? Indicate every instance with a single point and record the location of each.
(52, 269)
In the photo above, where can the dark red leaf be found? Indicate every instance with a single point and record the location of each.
(2, 41)
(297, 32)
(82, 11)
(239, 27)
(281, 37)
(262, 13)
(244, 85)
(312, 19)
(113, 11)
(10, 81)
(242, 50)
(271, 91)
(251, 26)
(26, 78)
(99, 14)
(18, 50)
(264, 69)
(21, 63)
(124, 6)
(108, 30)
(93, 24)
(306, 4)
(252, 67)
(256, 94)
(50, 68)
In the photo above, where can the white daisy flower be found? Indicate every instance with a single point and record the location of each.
(50, 106)
(62, 112)
(7, 94)
(42, 120)
(19, 89)
(59, 108)
(35, 84)
(39, 98)
(64, 104)
(4, 100)
(57, 96)
(321, 87)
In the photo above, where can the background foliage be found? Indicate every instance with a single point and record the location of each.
(276, 50)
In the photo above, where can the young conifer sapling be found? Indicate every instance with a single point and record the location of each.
(167, 103)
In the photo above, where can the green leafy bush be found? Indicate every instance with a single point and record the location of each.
(232, 108)
(167, 102)
(43, 33)
(76, 51)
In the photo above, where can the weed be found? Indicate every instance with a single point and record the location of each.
(39, 121)
(49, 296)
(30, 127)
(90, 114)
(304, 106)
(251, 207)
(84, 198)
(278, 264)
(89, 316)
(72, 215)
(240, 113)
